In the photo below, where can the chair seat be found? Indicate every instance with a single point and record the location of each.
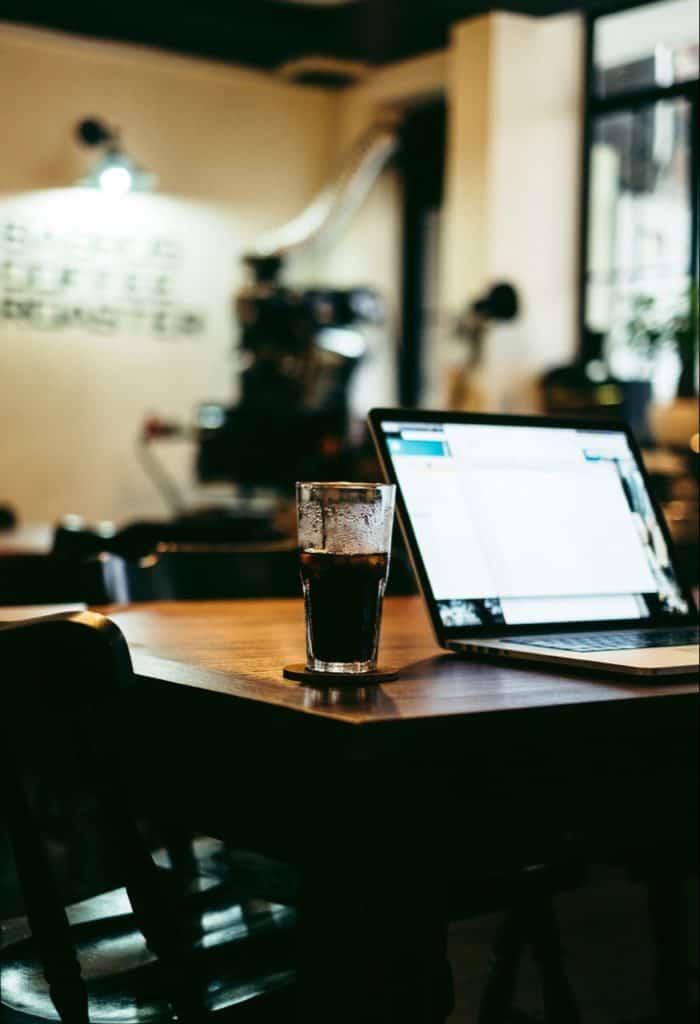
(241, 953)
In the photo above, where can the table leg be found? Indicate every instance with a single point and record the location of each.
(669, 926)
(368, 954)
(373, 926)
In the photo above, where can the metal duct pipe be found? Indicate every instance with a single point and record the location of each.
(337, 202)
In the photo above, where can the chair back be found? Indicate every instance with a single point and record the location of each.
(61, 708)
(141, 537)
(40, 579)
(201, 572)
(196, 572)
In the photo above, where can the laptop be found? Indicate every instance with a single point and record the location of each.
(535, 538)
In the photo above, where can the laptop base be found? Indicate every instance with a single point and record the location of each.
(647, 661)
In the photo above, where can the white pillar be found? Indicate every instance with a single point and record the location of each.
(513, 192)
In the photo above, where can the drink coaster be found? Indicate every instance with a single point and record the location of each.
(299, 671)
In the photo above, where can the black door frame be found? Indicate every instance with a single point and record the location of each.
(421, 164)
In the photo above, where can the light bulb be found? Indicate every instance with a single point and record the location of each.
(115, 181)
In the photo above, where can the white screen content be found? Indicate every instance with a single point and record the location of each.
(531, 524)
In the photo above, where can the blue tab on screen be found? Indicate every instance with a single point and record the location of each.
(399, 446)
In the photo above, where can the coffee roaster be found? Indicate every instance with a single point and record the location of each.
(299, 347)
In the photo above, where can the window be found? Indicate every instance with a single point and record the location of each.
(641, 197)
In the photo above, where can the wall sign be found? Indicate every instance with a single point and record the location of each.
(90, 264)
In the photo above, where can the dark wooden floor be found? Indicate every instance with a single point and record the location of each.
(605, 935)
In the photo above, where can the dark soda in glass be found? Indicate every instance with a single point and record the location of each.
(343, 596)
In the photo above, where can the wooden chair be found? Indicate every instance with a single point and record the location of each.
(42, 579)
(128, 955)
(141, 537)
(194, 572)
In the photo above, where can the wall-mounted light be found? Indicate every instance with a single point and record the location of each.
(114, 173)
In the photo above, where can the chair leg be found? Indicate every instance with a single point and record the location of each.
(669, 929)
(498, 993)
(560, 1005)
(150, 900)
(184, 873)
(45, 911)
(531, 920)
(164, 938)
(179, 844)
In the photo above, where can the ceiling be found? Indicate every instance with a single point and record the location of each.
(269, 33)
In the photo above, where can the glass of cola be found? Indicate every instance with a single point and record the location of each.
(344, 545)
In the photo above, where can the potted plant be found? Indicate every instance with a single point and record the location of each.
(683, 335)
(648, 333)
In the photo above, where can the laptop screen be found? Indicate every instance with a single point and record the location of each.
(522, 525)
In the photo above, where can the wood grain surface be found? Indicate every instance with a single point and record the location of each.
(239, 648)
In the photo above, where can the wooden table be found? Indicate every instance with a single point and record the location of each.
(458, 770)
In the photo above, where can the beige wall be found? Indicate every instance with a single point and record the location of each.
(239, 152)
(533, 170)
(513, 88)
(469, 127)
(512, 195)
(236, 152)
(213, 132)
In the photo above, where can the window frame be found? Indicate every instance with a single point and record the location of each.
(634, 99)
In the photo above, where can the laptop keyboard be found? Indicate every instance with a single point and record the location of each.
(619, 641)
